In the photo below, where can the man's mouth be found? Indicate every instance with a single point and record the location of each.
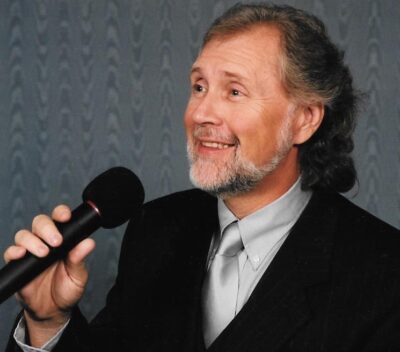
(216, 145)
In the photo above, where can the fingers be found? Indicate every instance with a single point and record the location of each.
(61, 213)
(31, 243)
(44, 233)
(44, 228)
(13, 253)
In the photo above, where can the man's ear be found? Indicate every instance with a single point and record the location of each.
(308, 119)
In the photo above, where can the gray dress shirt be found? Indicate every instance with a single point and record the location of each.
(263, 233)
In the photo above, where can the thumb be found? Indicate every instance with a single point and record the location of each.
(75, 261)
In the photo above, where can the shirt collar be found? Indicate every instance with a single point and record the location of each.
(262, 230)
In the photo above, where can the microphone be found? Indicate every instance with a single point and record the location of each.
(108, 201)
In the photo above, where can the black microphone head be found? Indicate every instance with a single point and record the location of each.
(117, 193)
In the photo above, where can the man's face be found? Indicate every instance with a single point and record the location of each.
(238, 118)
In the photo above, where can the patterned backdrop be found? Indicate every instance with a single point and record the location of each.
(90, 84)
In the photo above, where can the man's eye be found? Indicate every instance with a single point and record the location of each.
(198, 88)
(235, 93)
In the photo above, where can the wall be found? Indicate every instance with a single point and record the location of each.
(90, 84)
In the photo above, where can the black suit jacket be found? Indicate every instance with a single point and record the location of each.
(333, 286)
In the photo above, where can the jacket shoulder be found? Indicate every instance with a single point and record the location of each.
(358, 234)
(356, 218)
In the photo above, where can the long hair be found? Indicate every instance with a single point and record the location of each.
(313, 71)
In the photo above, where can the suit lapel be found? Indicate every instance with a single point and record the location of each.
(181, 240)
(278, 307)
(198, 229)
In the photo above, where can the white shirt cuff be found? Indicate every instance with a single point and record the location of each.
(19, 336)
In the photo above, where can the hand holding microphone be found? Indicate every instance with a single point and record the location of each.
(49, 296)
(57, 249)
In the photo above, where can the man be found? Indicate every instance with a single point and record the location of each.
(277, 261)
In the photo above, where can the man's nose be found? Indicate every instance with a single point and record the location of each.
(208, 111)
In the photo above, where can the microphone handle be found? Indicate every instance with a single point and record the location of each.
(17, 273)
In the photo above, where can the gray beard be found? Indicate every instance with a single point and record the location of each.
(243, 176)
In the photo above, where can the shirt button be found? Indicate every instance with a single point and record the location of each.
(256, 259)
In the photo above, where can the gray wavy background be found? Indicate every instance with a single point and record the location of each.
(90, 84)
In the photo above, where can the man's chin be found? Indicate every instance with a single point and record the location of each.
(204, 179)
(227, 179)
(222, 188)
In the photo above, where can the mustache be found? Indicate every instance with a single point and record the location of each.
(212, 133)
